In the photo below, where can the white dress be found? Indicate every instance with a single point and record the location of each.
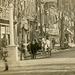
(47, 45)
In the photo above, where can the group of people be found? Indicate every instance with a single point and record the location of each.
(33, 47)
(36, 45)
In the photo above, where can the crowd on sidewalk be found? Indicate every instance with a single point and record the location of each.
(43, 45)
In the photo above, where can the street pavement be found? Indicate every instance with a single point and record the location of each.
(56, 53)
(66, 53)
(46, 73)
(47, 70)
(57, 66)
(60, 63)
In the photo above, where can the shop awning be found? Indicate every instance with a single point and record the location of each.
(4, 21)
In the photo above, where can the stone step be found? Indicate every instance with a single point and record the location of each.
(41, 68)
(58, 63)
(52, 61)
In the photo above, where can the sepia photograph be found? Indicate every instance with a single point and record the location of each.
(37, 37)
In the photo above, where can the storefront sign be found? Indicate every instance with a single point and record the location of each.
(4, 21)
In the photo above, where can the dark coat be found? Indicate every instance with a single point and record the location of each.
(29, 48)
(39, 45)
(22, 48)
(34, 48)
(53, 42)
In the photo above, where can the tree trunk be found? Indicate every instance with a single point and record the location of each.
(62, 32)
(74, 32)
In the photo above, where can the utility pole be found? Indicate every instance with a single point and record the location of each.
(40, 18)
(0, 38)
(74, 25)
(45, 29)
(61, 20)
(74, 32)
(37, 14)
(62, 32)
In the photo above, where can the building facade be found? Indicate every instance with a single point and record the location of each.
(23, 14)
(51, 17)
(26, 15)
(4, 21)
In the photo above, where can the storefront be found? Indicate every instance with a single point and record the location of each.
(4, 32)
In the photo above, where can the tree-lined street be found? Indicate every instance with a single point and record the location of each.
(29, 25)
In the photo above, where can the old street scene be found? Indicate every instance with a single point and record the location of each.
(37, 37)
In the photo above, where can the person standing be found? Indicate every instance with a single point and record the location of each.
(48, 47)
(44, 46)
(21, 48)
(5, 55)
(33, 49)
(4, 41)
(53, 43)
(29, 46)
(40, 44)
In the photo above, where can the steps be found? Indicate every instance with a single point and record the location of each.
(41, 64)
(42, 68)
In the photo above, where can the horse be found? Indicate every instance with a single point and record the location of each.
(46, 47)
